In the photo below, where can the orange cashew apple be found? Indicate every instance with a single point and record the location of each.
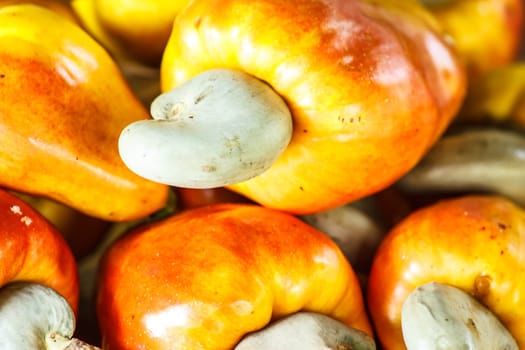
(204, 278)
(301, 105)
(63, 105)
(473, 243)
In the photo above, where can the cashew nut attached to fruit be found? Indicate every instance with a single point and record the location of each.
(437, 316)
(307, 331)
(35, 317)
(196, 139)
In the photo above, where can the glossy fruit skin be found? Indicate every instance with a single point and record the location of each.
(61, 7)
(486, 33)
(142, 27)
(205, 277)
(64, 104)
(368, 97)
(135, 29)
(33, 250)
(473, 242)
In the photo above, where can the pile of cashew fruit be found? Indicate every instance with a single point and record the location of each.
(264, 174)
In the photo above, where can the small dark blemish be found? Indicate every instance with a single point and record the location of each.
(305, 131)
(482, 286)
(301, 188)
(472, 323)
(2, 75)
(209, 168)
(197, 23)
(502, 226)
(199, 98)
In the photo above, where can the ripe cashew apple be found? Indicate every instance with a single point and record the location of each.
(39, 283)
(32, 249)
(296, 111)
(204, 278)
(64, 104)
(473, 243)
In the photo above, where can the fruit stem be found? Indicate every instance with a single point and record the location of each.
(56, 341)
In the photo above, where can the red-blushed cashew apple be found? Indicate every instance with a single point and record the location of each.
(361, 89)
(39, 286)
(473, 243)
(36, 317)
(204, 278)
(33, 250)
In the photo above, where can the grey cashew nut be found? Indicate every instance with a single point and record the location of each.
(35, 317)
(477, 159)
(437, 316)
(307, 331)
